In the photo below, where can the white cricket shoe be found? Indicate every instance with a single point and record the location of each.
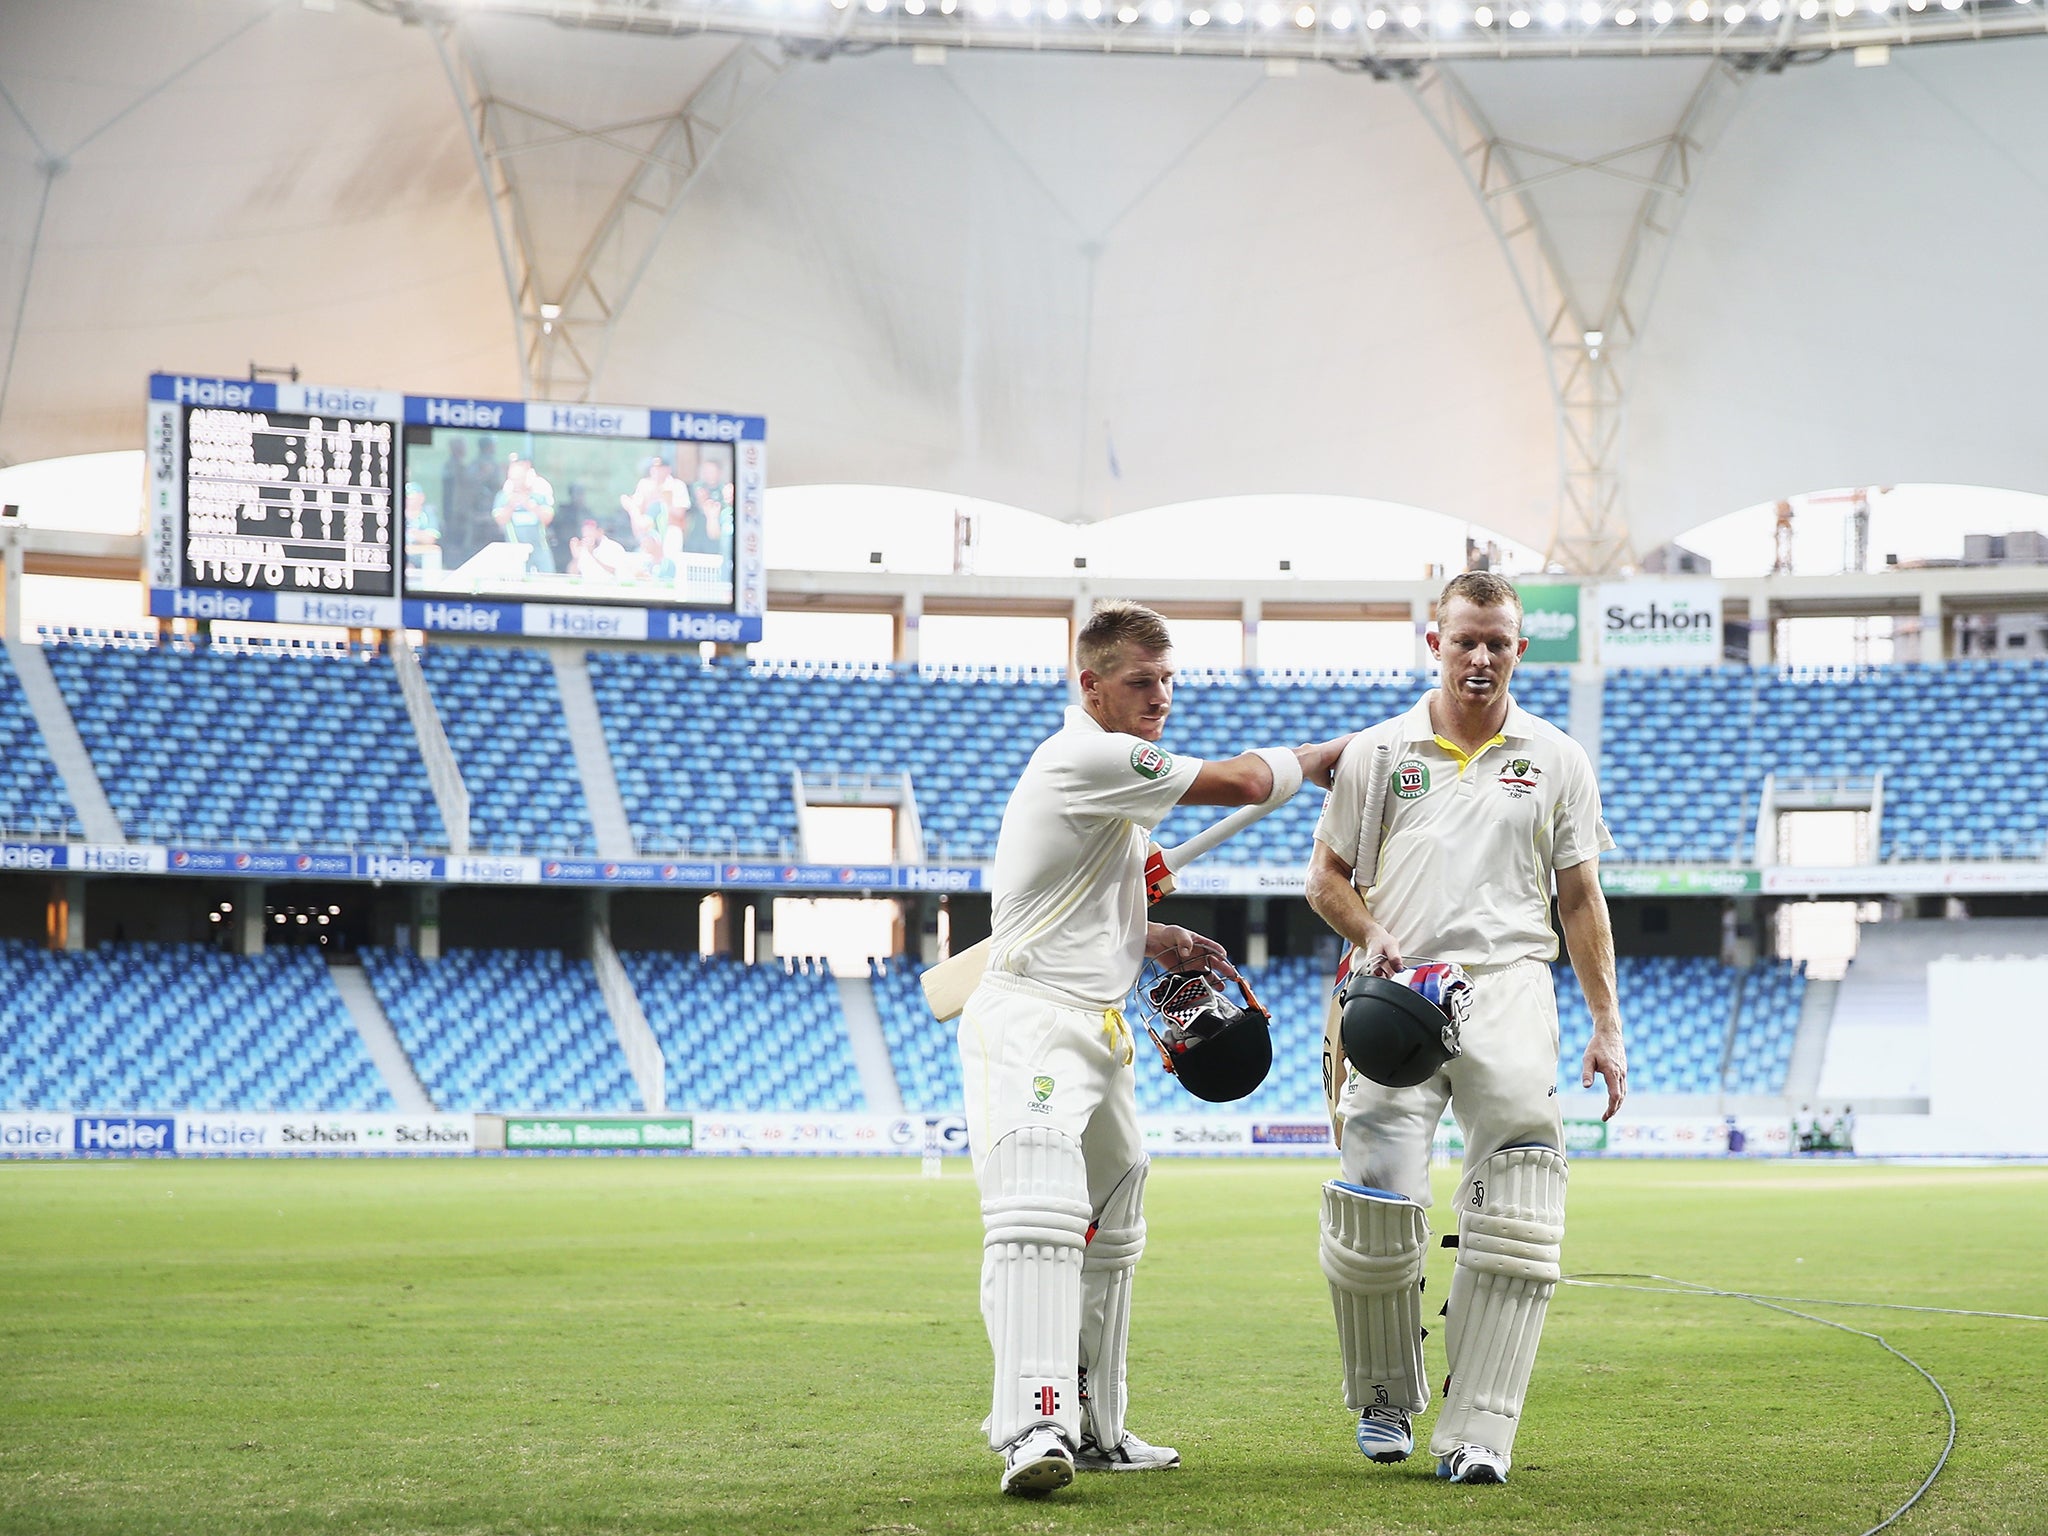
(1384, 1434)
(1037, 1462)
(1473, 1464)
(1129, 1454)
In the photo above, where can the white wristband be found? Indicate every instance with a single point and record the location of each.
(1286, 773)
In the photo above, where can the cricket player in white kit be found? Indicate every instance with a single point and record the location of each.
(1047, 1058)
(1483, 804)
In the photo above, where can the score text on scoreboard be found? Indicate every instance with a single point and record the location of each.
(283, 502)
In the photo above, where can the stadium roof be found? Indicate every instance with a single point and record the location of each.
(1589, 302)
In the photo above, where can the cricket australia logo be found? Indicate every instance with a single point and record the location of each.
(1519, 777)
(1411, 779)
(1150, 762)
(1041, 1090)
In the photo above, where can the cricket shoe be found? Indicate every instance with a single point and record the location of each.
(1037, 1462)
(1384, 1434)
(1129, 1454)
(1473, 1464)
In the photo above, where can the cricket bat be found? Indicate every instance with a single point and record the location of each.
(948, 984)
(1370, 824)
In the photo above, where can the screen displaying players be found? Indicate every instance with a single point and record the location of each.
(536, 516)
(286, 503)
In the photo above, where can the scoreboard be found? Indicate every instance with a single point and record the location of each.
(288, 502)
(313, 504)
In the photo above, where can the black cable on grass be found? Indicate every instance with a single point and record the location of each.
(1672, 1286)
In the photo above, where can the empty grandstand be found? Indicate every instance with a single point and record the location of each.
(33, 801)
(177, 1026)
(504, 1029)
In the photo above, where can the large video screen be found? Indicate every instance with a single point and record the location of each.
(281, 502)
(551, 517)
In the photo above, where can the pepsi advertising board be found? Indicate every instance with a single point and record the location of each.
(353, 508)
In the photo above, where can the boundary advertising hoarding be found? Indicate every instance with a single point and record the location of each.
(1658, 623)
(183, 1133)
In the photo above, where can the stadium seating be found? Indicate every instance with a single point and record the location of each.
(277, 747)
(503, 716)
(1773, 994)
(747, 1038)
(502, 1029)
(1677, 1012)
(922, 1051)
(1686, 753)
(178, 1026)
(33, 800)
(673, 725)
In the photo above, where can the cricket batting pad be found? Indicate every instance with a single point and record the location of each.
(1510, 1236)
(1106, 1271)
(1373, 1247)
(1034, 1213)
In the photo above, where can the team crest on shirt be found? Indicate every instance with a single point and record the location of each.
(1150, 762)
(1041, 1090)
(1519, 777)
(1411, 779)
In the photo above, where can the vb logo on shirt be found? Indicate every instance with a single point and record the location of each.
(1411, 780)
(1150, 762)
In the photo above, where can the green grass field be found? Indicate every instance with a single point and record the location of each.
(662, 1345)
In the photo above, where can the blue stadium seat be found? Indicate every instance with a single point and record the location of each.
(503, 715)
(504, 1029)
(178, 1026)
(33, 800)
(266, 746)
(747, 1037)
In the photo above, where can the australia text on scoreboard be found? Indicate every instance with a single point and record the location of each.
(364, 508)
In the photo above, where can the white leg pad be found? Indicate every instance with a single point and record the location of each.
(1034, 1213)
(1115, 1243)
(1510, 1237)
(1373, 1247)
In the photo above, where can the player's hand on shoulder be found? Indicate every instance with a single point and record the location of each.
(1319, 759)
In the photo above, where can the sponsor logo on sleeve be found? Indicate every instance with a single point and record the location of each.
(1150, 762)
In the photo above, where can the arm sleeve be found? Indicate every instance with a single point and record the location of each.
(1118, 775)
(1344, 805)
(1580, 832)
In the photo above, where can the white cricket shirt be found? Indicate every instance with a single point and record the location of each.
(1069, 879)
(1470, 844)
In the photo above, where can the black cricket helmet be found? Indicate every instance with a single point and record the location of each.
(1400, 1030)
(1219, 1050)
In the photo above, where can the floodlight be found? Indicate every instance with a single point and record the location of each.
(1198, 17)
(1880, 6)
(1162, 11)
(1233, 13)
(1056, 10)
(1518, 17)
(1733, 15)
(1340, 18)
(1411, 16)
(1808, 9)
(1483, 17)
(913, 7)
(1951, 5)
(1553, 14)
(1375, 19)
(1660, 13)
(1624, 17)
(1589, 13)
(1697, 10)
(1127, 14)
(1845, 8)
(1019, 9)
(1269, 14)
(1769, 10)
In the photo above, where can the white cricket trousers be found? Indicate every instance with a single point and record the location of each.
(1502, 1089)
(1029, 1057)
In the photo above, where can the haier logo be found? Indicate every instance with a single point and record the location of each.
(463, 413)
(211, 392)
(343, 612)
(113, 859)
(703, 626)
(27, 856)
(582, 621)
(123, 1133)
(462, 616)
(705, 428)
(211, 605)
(590, 420)
(939, 879)
(489, 871)
(397, 867)
(340, 402)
